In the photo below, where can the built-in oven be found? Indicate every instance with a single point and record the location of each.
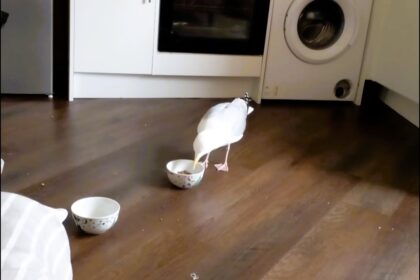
(234, 27)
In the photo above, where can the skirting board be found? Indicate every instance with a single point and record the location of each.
(402, 105)
(138, 86)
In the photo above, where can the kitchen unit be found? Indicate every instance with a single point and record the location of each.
(393, 61)
(123, 48)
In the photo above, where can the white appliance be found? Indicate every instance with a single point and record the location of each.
(26, 47)
(315, 49)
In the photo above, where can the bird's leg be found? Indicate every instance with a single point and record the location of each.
(224, 166)
(206, 161)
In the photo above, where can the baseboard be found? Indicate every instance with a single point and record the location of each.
(402, 105)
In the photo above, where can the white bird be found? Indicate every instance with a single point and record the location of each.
(223, 124)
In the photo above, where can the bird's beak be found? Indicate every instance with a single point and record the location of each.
(196, 159)
(195, 162)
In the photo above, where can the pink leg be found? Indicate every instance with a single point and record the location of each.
(206, 161)
(224, 166)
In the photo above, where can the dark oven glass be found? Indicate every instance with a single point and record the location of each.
(213, 26)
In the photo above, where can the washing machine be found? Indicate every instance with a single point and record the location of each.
(315, 49)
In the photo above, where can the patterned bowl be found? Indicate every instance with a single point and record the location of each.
(182, 174)
(95, 215)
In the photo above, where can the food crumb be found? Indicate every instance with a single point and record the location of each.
(42, 184)
(161, 219)
(184, 172)
(379, 227)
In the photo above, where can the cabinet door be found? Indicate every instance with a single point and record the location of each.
(114, 36)
(394, 47)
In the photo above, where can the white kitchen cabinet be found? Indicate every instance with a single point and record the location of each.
(392, 56)
(392, 51)
(113, 36)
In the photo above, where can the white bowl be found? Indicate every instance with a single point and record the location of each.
(95, 215)
(174, 171)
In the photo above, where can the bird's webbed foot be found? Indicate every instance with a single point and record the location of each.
(222, 167)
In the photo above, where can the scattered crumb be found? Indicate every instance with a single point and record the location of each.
(50, 96)
(194, 276)
(392, 229)
(52, 116)
(42, 184)
(161, 219)
(379, 227)
(142, 229)
(177, 220)
(328, 203)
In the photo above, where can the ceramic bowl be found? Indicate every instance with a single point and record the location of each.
(181, 173)
(95, 215)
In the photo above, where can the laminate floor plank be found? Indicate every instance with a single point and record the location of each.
(315, 190)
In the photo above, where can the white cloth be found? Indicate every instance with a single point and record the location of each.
(34, 242)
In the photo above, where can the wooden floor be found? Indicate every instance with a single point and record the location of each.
(315, 190)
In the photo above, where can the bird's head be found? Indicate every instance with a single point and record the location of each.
(247, 101)
(207, 141)
(246, 98)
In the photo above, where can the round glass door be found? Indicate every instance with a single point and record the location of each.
(320, 24)
(317, 31)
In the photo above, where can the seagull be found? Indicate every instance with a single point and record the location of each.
(222, 125)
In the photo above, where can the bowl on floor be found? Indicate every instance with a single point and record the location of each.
(95, 215)
(181, 173)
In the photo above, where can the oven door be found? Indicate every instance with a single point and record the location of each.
(213, 26)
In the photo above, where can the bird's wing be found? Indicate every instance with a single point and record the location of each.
(236, 119)
(209, 120)
(228, 119)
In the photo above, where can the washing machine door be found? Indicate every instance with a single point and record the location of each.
(317, 31)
